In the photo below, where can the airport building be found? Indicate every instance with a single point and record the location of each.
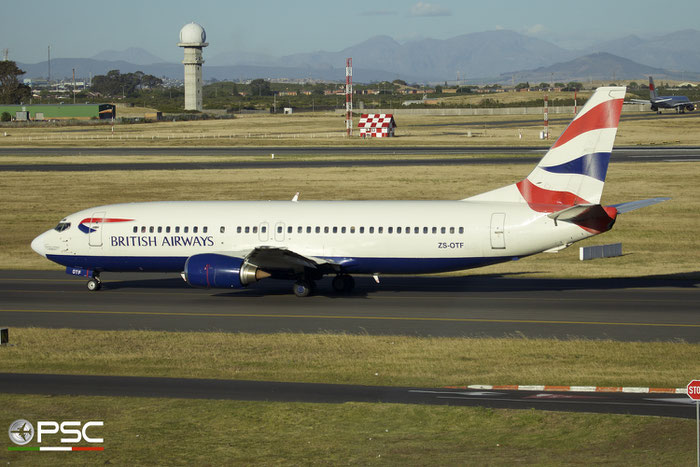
(60, 111)
(376, 125)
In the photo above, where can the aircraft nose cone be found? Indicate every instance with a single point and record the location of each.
(39, 246)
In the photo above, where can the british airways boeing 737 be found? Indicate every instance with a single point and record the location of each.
(230, 244)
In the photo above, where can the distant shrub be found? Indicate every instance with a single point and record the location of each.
(5, 117)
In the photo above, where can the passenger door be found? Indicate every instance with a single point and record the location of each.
(96, 225)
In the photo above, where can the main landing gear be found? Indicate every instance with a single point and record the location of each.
(304, 287)
(342, 284)
(94, 283)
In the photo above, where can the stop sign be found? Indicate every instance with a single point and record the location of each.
(694, 390)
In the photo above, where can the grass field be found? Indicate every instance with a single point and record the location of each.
(327, 129)
(171, 431)
(654, 245)
(193, 432)
(352, 359)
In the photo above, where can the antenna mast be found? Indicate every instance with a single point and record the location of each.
(348, 96)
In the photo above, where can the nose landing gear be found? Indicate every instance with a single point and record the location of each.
(94, 283)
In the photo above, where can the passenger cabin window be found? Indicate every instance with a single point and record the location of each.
(247, 229)
(279, 229)
(160, 229)
(177, 229)
(289, 229)
(335, 229)
(461, 230)
(167, 229)
(342, 230)
(425, 230)
(195, 229)
(185, 229)
(255, 229)
(326, 229)
(300, 229)
(362, 230)
(308, 229)
(442, 230)
(352, 229)
(318, 229)
(388, 230)
(434, 230)
(143, 229)
(136, 229)
(398, 229)
(416, 230)
(371, 230)
(452, 230)
(380, 229)
(204, 229)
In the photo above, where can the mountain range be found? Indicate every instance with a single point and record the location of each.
(489, 56)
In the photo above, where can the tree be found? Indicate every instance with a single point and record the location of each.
(129, 84)
(260, 87)
(525, 85)
(544, 86)
(11, 90)
(5, 117)
(573, 86)
(438, 89)
(399, 82)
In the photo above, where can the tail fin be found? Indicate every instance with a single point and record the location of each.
(573, 170)
(652, 90)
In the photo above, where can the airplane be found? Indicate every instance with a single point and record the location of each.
(680, 103)
(231, 244)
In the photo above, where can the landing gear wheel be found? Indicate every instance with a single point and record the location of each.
(303, 288)
(343, 283)
(94, 284)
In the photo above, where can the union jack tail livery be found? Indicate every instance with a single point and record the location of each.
(573, 171)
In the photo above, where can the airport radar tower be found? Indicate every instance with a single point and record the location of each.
(193, 40)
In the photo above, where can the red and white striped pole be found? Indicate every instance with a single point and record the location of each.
(348, 96)
(546, 117)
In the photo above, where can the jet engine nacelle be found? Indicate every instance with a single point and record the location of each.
(212, 270)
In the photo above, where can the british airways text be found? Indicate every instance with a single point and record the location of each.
(152, 240)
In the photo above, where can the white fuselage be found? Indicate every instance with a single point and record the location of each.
(363, 237)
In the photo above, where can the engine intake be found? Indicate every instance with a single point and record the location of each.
(211, 270)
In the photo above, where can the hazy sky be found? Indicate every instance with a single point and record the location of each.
(83, 28)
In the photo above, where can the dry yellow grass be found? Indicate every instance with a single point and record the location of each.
(327, 129)
(352, 359)
(511, 97)
(660, 240)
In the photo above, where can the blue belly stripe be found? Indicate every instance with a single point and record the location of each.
(350, 265)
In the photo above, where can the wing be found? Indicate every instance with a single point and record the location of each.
(284, 263)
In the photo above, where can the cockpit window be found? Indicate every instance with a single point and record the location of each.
(62, 226)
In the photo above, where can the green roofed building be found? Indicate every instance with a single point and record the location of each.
(63, 111)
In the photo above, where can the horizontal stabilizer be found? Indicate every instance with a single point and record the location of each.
(632, 205)
(570, 213)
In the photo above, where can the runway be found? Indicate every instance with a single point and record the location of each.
(386, 156)
(666, 405)
(631, 309)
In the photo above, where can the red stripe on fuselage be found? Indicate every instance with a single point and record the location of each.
(104, 220)
(604, 115)
(542, 200)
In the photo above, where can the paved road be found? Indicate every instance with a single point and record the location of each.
(636, 309)
(666, 405)
(388, 156)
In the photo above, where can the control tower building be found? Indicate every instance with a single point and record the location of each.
(193, 40)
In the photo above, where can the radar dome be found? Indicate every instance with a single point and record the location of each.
(192, 33)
